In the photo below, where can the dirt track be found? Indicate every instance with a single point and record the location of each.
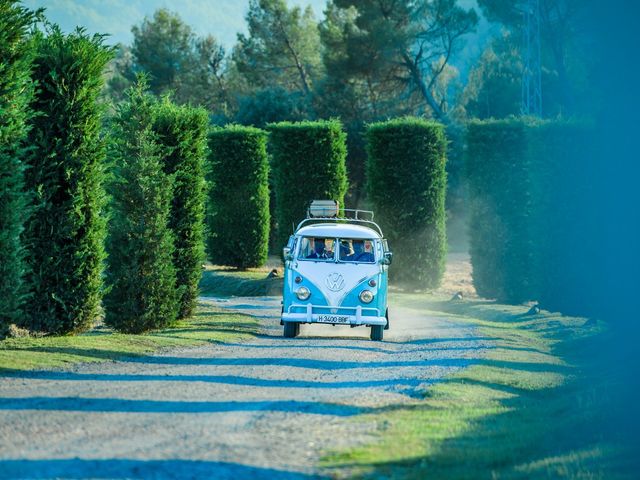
(267, 408)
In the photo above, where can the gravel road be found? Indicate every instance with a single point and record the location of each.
(268, 408)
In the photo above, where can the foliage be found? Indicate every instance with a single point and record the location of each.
(141, 274)
(65, 232)
(500, 210)
(494, 87)
(183, 131)
(176, 60)
(16, 92)
(239, 204)
(308, 162)
(567, 218)
(271, 105)
(282, 47)
(531, 236)
(406, 183)
(405, 49)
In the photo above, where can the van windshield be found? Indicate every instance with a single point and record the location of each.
(319, 249)
(356, 250)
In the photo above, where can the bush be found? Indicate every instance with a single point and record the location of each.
(183, 130)
(16, 93)
(65, 233)
(239, 199)
(141, 274)
(567, 234)
(498, 173)
(308, 161)
(406, 183)
(532, 238)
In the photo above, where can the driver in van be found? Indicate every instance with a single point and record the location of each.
(318, 249)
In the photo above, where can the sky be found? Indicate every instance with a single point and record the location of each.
(222, 18)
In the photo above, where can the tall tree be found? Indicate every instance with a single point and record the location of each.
(16, 91)
(282, 47)
(66, 230)
(183, 131)
(408, 45)
(176, 60)
(141, 273)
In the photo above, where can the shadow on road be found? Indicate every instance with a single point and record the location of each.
(76, 468)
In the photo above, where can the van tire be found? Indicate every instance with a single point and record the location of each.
(386, 315)
(377, 333)
(291, 329)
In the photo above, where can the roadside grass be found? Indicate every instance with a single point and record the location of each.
(226, 282)
(536, 406)
(208, 325)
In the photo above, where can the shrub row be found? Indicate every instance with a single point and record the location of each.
(497, 170)
(16, 93)
(182, 130)
(308, 162)
(406, 185)
(531, 235)
(239, 206)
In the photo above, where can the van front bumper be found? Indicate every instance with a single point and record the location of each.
(333, 315)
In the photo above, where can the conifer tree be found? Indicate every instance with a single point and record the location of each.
(16, 91)
(66, 229)
(141, 275)
(183, 131)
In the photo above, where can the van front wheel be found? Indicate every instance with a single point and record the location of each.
(377, 332)
(291, 329)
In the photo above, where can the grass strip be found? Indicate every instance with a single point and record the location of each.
(209, 325)
(534, 407)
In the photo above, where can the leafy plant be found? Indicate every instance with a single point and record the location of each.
(66, 230)
(239, 200)
(406, 183)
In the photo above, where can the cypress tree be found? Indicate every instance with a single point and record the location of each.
(65, 233)
(16, 92)
(406, 182)
(309, 162)
(183, 130)
(240, 179)
(141, 274)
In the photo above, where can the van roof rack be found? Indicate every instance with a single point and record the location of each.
(329, 211)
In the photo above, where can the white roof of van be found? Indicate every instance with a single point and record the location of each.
(344, 230)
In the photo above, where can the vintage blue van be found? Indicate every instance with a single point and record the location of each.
(336, 266)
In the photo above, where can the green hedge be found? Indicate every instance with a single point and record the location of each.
(498, 173)
(567, 233)
(406, 183)
(308, 161)
(65, 233)
(531, 237)
(16, 91)
(239, 197)
(141, 274)
(183, 130)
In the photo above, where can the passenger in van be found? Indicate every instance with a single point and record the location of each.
(318, 249)
(359, 254)
(345, 250)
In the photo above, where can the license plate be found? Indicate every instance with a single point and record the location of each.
(333, 319)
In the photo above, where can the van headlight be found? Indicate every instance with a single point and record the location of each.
(303, 293)
(366, 296)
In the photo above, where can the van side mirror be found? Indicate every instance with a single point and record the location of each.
(286, 254)
(387, 258)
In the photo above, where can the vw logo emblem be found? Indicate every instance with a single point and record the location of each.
(334, 282)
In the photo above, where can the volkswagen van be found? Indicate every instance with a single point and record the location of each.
(336, 266)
